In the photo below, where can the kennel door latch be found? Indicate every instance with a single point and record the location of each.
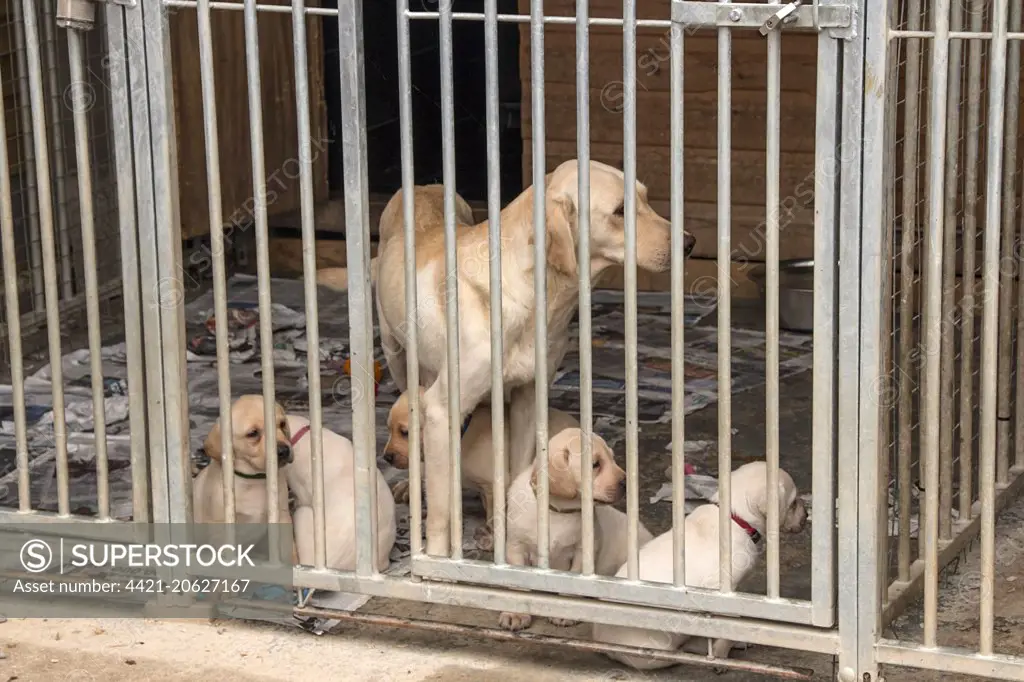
(785, 15)
(80, 15)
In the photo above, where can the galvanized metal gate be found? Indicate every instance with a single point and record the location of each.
(853, 358)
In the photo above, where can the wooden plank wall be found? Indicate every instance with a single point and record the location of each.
(749, 100)
(279, 114)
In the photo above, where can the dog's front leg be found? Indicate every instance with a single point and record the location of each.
(523, 428)
(515, 554)
(437, 466)
(576, 566)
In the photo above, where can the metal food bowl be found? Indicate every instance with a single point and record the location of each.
(796, 293)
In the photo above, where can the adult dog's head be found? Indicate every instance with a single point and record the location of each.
(248, 432)
(607, 221)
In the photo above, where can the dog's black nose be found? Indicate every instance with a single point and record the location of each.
(690, 242)
(622, 486)
(388, 456)
(284, 452)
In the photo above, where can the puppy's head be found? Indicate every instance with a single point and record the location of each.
(248, 432)
(565, 468)
(750, 497)
(607, 221)
(396, 450)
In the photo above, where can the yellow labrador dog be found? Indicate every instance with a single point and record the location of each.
(248, 433)
(749, 520)
(427, 213)
(519, 309)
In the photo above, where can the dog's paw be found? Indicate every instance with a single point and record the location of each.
(400, 491)
(564, 622)
(515, 621)
(484, 539)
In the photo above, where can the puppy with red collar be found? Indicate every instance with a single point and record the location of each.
(339, 499)
(749, 520)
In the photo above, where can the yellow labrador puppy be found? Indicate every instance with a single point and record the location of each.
(339, 500)
(565, 520)
(519, 308)
(749, 519)
(477, 454)
(248, 433)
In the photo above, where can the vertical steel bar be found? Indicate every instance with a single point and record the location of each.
(585, 325)
(863, 258)
(932, 319)
(908, 268)
(947, 368)
(825, 317)
(154, 291)
(309, 283)
(35, 81)
(494, 252)
(411, 324)
(28, 165)
(968, 303)
(59, 160)
(220, 287)
(773, 152)
(678, 279)
(1008, 276)
(990, 320)
(725, 308)
(121, 129)
(856, 326)
(1014, 96)
(76, 56)
(630, 293)
(451, 280)
(540, 274)
(357, 218)
(259, 214)
(13, 318)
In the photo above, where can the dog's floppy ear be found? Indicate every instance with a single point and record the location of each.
(212, 443)
(561, 482)
(560, 221)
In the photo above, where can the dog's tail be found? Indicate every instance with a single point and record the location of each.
(337, 278)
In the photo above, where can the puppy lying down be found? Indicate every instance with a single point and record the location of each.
(750, 515)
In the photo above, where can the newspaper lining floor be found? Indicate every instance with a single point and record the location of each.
(608, 320)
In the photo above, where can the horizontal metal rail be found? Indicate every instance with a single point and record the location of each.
(950, 660)
(648, 593)
(553, 606)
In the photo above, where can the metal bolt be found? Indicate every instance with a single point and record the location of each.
(735, 15)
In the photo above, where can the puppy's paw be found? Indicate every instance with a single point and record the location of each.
(400, 491)
(515, 621)
(484, 539)
(564, 622)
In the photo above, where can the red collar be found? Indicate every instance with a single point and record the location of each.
(750, 530)
(299, 434)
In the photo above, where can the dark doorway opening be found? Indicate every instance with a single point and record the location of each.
(380, 26)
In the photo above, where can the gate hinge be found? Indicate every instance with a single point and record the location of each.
(802, 15)
(80, 15)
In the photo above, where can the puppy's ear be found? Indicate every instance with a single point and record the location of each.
(561, 482)
(212, 443)
(561, 235)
